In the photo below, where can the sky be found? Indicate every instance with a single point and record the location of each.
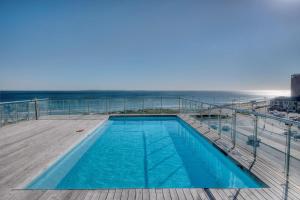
(149, 44)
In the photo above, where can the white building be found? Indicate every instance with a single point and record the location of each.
(289, 104)
(295, 85)
(285, 104)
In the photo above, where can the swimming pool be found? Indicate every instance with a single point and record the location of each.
(144, 152)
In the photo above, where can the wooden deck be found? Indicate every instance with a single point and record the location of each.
(28, 148)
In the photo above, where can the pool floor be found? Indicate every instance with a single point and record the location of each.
(144, 152)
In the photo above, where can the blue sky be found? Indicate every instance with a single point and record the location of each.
(149, 44)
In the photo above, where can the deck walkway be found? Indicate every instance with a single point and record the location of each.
(27, 148)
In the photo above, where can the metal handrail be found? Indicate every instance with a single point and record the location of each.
(197, 102)
(23, 101)
(249, 112)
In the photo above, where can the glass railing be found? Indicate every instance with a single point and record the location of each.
(12, 112)
(246, 125)
(263, 136)
(109, 105)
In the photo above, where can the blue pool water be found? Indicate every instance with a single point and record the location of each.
(144, 152)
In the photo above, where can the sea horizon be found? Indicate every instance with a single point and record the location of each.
(219, 96)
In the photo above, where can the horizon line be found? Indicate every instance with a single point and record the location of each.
(142, 90)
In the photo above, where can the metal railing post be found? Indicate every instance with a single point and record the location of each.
(28, 111)
(143, 108)
(179, 105)
(100, 110)
(50, 108)
(69, 107)
(255, 136)
(1, 115)
(161, 104)
(16, 112)
(209, 116)
(47, 106)
(233, 129)
(201, 111)
(106, 105)
(97, 106)
(219, 119)
(288, 151)
(252, 105)
(124, 105)
(36, 109)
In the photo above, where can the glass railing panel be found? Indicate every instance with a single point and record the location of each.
(43, 108)
(212, 118)
(183, 105)
(116, 105)
(96, 106)
(191, 106)
(9, 113)
(195, 107)
(199, 116)
(153, 105)
(31, 110)
(294, 172)
(170, 105)
(134, 105)
(76, 107)
(226, 124)
(245, 128)
(1, 116)
(22, 111)
(272, 135)
(56, 107)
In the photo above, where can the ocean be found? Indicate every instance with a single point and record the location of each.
(205, 96)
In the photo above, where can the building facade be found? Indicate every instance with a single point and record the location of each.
(295, 85)
(286, 104)
(289, 104)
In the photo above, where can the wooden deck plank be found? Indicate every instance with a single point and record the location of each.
(195, 194)
(139, 194)
(159, 194)
(75, 194)
(187, 193)
(117, 195)
(152, 194)
(167, 195)
(146, 194)
(202, 194)
(124, 194)
(101, 195)
(21, 194)
(180, 194)
(213, 194)
(110, 194)
(131, 194)
(173, 194)
(64, 194)
(89, 195)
